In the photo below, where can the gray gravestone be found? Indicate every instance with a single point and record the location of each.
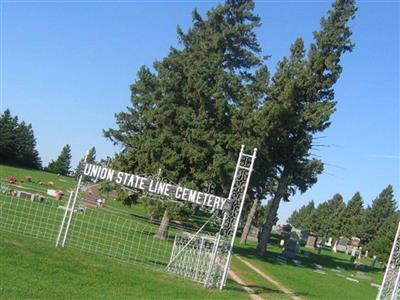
(342, 244)
(373, 263)
(253, 234)
(292, 247)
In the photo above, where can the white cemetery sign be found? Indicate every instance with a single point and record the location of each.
(155, 186)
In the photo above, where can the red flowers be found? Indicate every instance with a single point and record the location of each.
(11, 179)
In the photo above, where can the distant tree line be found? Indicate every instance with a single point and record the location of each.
(18, 147)
(375, 225)
(17, 142)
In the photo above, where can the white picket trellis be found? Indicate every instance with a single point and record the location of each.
(215, 251)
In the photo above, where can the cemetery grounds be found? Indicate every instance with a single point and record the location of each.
(102, 258)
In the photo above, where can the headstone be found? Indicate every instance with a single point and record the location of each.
(298, 263)
(253, 234)
(301, 234)
(353, 251)
(295, 235)
(359, 253)
(361, 275)
(304, 236)
(285, 231)
(342, 244)
(319, 249)
(366, 254)
(334, 246)
(311, 241)
(355, 241)
(373, 263)
(329, 243)
(282, 243)
(51, 192)
(375, 285)
(281, 260)
(25, 195)
(317, 266)
(336, 271)
(291, 248)
(276, 229)
(92, 195)
(352, 279)
(320, 272)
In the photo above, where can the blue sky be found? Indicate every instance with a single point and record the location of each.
(66, 68)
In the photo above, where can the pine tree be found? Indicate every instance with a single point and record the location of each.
(382, 243)
(62, 164)
(300, 103)
(90, 159)
(190, 116)
(353, 217)
(8, 126)
(17, 142)
(383, 207)
(303, 218)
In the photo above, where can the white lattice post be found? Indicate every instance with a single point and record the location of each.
(390, 283)
(64, 217)
(249, 170)
(71, 209)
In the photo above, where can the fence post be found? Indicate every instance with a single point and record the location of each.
(64, 217)
(71, 210)
(250, 170)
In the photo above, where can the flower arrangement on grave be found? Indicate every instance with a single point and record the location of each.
(28, 178)
(11, 179)
(59, 194)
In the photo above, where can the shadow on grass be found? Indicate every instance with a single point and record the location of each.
(308, 260)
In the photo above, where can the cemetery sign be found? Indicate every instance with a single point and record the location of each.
(155, 186)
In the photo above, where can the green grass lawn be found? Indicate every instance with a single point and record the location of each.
(309, 284)
(59, 182)
(117, 245)
(32, 269)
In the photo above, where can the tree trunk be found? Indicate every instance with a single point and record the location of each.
(162, 232)
(267, 226)
(249, 220)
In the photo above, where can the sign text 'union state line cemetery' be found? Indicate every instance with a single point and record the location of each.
(155, 186)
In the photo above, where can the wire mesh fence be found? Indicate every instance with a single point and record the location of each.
(114, 233)
(37, 218)
(121, 237)
(90, 227)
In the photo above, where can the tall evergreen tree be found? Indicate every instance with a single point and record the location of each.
(190, 116)
(62, 164)
(17, 142)
(381, 244)
(90, 159)
(383, 207)
(303, 218)
(353, 217)
(300, 103)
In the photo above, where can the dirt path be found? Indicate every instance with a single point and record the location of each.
(271, 280)
(250, 291)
